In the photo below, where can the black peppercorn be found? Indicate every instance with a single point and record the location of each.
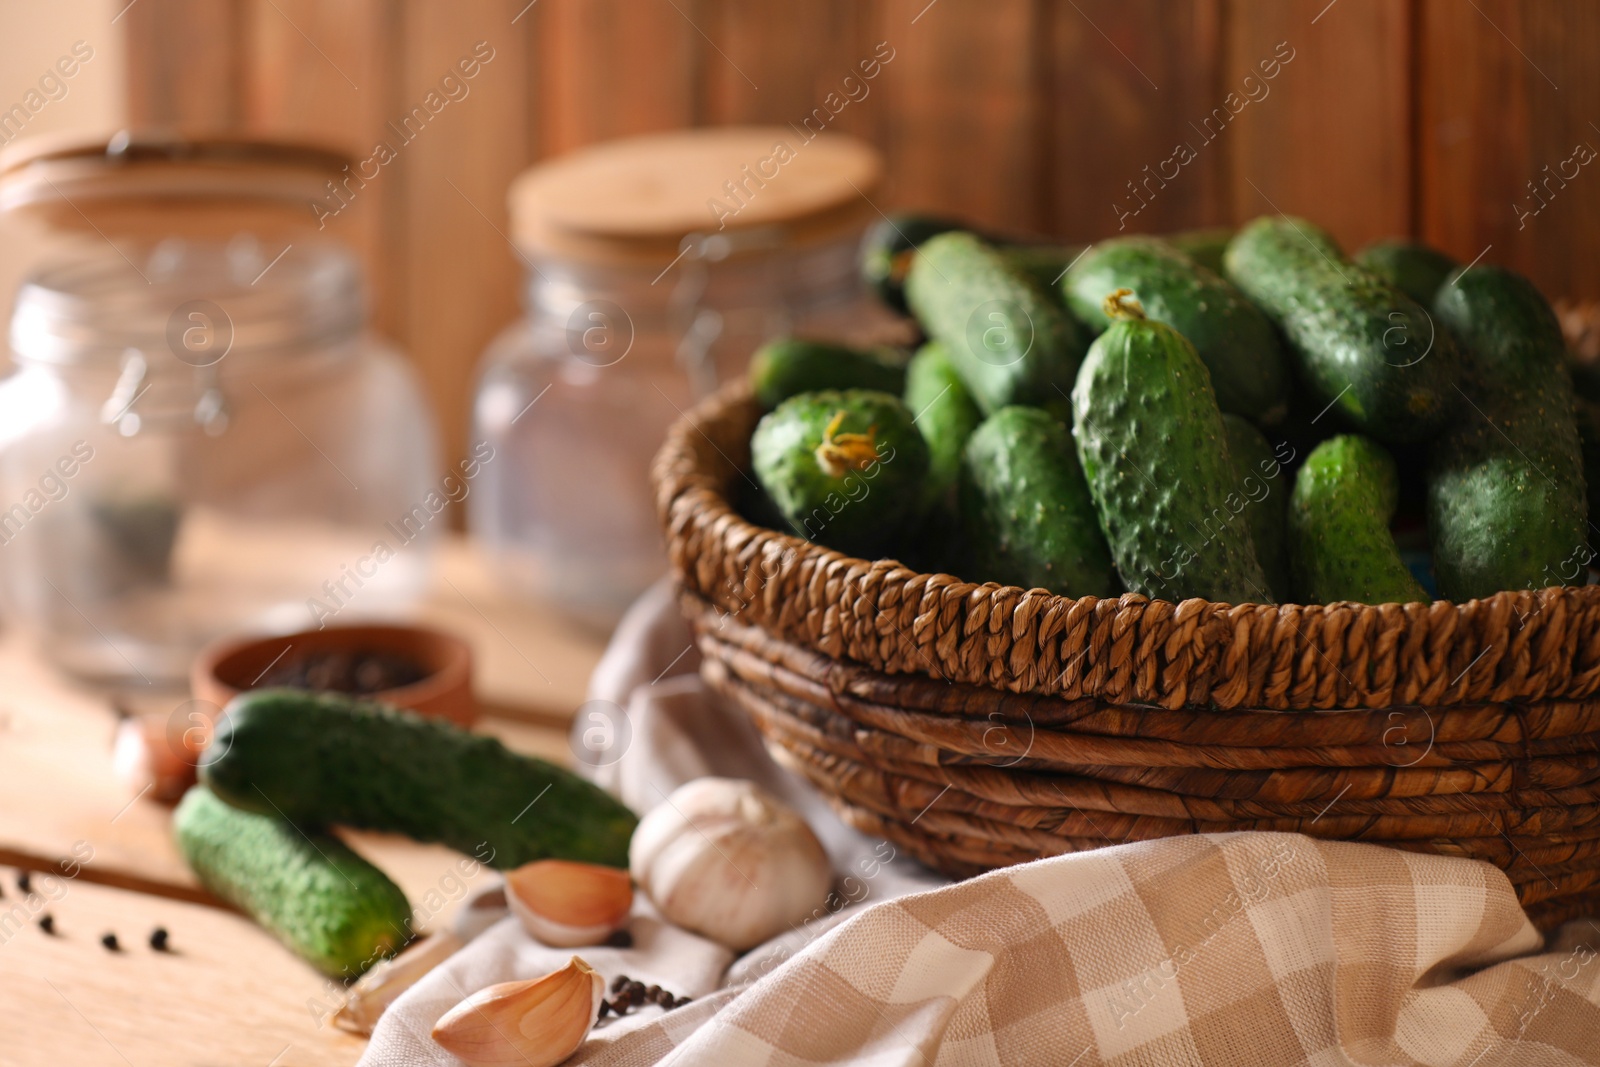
(605, 1009)
(47, 923)
(158, 939)
(620, 939)
(618, 982)
(110, 942)
(24, 882)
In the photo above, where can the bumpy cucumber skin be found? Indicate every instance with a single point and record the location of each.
(1011, 342)
(1410, 266)
(1154, 452)
(1263, 495)
(886, 252)
(1507, 500)
(1205, 245)
(321, 758)
(861, 512)
(789, 366)
(1234, 339)
(306, 887)
(944, 412)
(1026, 513)
(1363, 346)
(1340, 547)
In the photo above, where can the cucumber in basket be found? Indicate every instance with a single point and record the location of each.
(328, 905)
(320, 758)
(846, 468)
(1506, 496)
(792, 365)
(1366, 348)
(1237, 343)
(1010, 341)
(1155, 453)
(1340, 547)
(1026, 513)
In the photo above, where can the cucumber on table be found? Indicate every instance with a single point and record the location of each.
(1205, 245)
(305, 886)
(1410, 266)
(846, 468)
(1366, 348)
(792, 365)
(1026, 514)
(1236, 342)
(321, 758)
(944, 412)
(1011, 342)
(1507, 501)
(1153, 449)
(1260, 483)
(1340, 547)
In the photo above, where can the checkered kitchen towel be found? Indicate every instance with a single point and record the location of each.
(1255, 950)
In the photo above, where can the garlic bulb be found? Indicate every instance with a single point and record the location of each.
(525, 1024)
(728, 860)
(569, 904)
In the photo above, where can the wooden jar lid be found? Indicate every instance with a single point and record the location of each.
(634, 200)
(157, 184)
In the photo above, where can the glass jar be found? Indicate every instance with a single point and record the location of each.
(635, 307)
(201, 436)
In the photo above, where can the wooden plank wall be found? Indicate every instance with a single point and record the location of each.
(1423, 117)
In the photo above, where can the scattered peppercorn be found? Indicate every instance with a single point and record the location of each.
(628, 994)
(158, 939)
(47, 923)
(110, 942)
(620, 939)
(24, 882)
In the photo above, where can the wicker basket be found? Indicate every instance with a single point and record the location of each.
(982, 725)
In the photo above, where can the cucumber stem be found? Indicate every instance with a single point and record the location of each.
(1122, 304)
(841, 452)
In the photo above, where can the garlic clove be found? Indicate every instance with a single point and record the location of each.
(536, 1023)
(568, 904)
(371, 996)
(728, 860)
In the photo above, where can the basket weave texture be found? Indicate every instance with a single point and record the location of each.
(978, 725)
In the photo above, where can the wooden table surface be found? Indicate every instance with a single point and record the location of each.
(227, 993)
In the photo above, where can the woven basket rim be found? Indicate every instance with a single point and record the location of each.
(1515, 645)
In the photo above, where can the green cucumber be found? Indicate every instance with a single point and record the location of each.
(1507, 501)
(887, 248)
(1026, 514)
(792, 365)
(944, 412)
(1410, 266)
(1340, 547)
(1205, 245)
(1238, 345)
(306, 887)
(1587, 414)
(1260, 490)
(1153, 449)
(321, 758)
(1365, 348)
(1044, 264)
(846, 468)
(1008, 339)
